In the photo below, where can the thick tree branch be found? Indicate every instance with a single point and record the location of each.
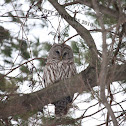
(20, 105)
(82, 31)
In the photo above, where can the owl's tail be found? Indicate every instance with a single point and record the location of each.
(61, 106)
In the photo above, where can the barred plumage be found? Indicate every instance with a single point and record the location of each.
(54, 72)
(59, 66)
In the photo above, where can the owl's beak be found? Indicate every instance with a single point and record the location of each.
(61, 57)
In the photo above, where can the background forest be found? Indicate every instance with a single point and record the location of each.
(95, 30)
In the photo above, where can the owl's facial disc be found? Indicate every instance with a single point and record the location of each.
(61, 52)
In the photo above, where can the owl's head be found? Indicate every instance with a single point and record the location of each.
(60, 52)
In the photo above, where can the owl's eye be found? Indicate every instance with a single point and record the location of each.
(57, 52)
(65, 54)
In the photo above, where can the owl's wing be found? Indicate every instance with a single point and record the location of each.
(45, 84)
(48, 75)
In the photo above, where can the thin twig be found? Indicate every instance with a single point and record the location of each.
(20, 66)
(70, 38)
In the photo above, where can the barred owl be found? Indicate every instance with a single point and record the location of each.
(60, 65)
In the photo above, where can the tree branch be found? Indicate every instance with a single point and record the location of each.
(20, 105)
(103, 73)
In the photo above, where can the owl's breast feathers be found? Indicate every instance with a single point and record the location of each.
(56, 71)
